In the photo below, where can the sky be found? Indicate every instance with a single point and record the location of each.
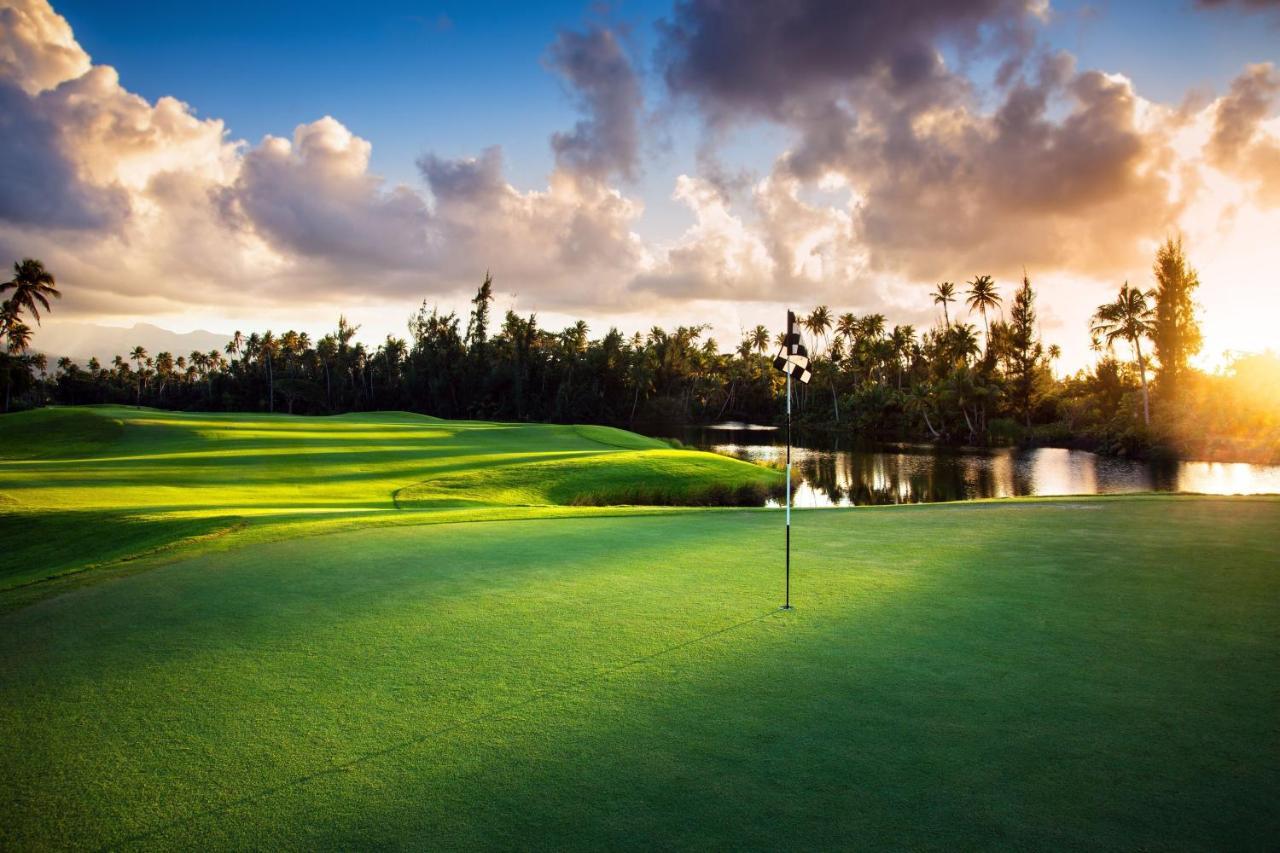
(239, 165)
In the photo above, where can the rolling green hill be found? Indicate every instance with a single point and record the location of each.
(387, 631)
(91, 486)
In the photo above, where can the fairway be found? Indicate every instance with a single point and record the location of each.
(458, 672)
(92, 487)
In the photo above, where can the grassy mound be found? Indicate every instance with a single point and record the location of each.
(647, 477)
(954, 677)
(81, 487)
(54, 433)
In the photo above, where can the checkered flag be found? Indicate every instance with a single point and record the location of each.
(793, 359)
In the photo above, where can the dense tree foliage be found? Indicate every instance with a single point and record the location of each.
(952, 383)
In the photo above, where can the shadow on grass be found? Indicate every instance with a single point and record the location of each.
(40, 546)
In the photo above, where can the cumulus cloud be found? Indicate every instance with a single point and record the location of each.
(571, 244)
(146, 207)
(1240, 143)
(899, 171)
(606, 140)
(314, 196)
(736, 56)
(37, 48)
(783, 246)
(40, 186)
(1067, 169)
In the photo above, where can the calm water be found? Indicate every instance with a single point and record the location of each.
(920, 474)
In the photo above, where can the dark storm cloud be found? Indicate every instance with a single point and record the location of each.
(605, 140)
(39, 185)
(737, 56)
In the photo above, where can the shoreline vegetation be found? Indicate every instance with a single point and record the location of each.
(987, 382)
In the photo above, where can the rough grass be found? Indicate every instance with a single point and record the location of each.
(80, 488)
(1058, 674)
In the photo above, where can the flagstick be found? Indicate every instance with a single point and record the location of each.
(787, 601)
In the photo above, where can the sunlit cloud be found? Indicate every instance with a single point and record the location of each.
(899, 172)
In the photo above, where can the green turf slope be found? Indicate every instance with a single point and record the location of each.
(1051, 675)
(92, 486)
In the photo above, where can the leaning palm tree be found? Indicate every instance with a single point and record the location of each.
(944, 293)
(1130, 318)
(983, 298)
(32, 285)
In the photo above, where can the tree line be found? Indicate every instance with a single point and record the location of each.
(954, 383)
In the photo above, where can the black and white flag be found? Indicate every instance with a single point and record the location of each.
(793, 359)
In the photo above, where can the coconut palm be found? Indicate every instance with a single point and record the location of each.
(268, 346)
(164, 369)
(818, 322)
(18, 336)
(944, 293)
(1130, 318)
(760, 339)
(138, 356)
(32, 286)
(983, 298)
(847, 326)
(901, 341)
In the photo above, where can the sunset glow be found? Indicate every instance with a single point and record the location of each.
(663, 197)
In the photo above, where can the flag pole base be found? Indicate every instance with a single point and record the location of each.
(786, 607)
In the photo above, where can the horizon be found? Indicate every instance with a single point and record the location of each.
(638, 165)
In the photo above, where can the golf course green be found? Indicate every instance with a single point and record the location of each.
(391, 631)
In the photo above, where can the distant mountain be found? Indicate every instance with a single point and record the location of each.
(81, 341)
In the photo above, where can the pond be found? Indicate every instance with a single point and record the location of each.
(923, 473)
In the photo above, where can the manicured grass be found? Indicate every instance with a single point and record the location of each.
(1057, 674)
(98, 484)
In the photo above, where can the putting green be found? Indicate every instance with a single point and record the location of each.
(1061, 674)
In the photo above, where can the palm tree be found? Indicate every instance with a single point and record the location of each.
(18, 336)
(164, 369)
(139, 355)
(17, 339)
(901, 341)
(32, 285)
(1130, 319)
(944, 293)
(847, 326)
(819, 322)
(327, 351)
(267, 347)
(235, 344)
(983, 298)
(760, 339)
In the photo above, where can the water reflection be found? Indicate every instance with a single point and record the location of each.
(925, 474)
